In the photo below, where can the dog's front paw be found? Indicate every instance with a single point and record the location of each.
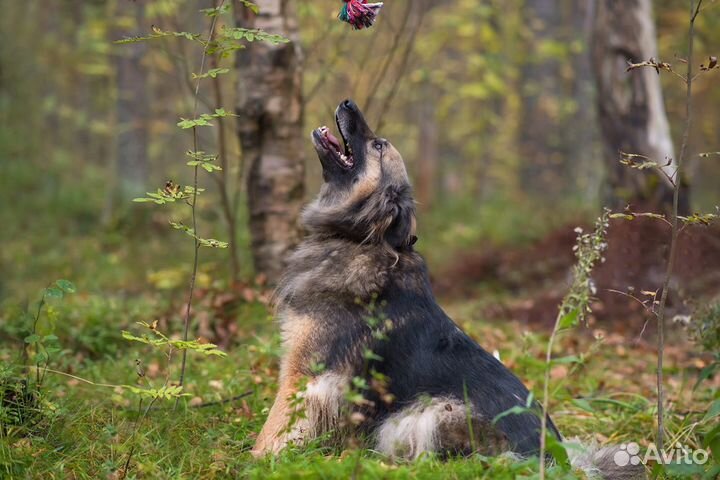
(263, 448)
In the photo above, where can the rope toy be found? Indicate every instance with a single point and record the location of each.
(359, 13)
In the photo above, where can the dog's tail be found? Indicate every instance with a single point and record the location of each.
(613, 462)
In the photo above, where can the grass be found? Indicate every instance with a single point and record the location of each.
(128, 272)
(87, 430)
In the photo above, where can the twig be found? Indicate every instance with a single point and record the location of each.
(180, 60)
(643, 304)
(364, 59)
(403, 67)
(329, 68)
(393, 49)
(34, 329)
(214, 403)
(633, 297)
(193, 207)
(546, 388)
(694, 11)
(652, 63)
(80, 379)
(628, 159)
(224, 401)
(144, 415)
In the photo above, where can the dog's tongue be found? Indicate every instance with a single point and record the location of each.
(333, 140)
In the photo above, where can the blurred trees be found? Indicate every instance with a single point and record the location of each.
(269, 122)
(630, 105)
(132, 110)
(556, 140)
(491, 103)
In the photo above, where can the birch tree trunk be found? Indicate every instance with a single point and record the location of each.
(630, 105)
(270, 113)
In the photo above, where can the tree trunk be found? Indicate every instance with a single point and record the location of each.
(269, 109)
(630, 105)
(132, 110)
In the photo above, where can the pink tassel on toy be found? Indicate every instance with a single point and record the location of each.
(359, 13)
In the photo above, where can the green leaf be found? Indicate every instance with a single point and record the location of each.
(212, 73)
(516, 410)
(583, 404)
(209, 167)
(706, 373)
(66, 286)
(568, 320)
(212, 243)
(712, 441)
(360, 383)
(166, 393)
(248, 4)
(53, 292)
(157, 342)
(34, 338)
(196, 346)
(557, 450)
(568, 359)
(252, 35)
(158, 33)
(40, 357)
(201, 121)
(370, 355)
(213, 12)
(713, 411)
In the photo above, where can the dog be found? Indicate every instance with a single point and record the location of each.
(364, 338)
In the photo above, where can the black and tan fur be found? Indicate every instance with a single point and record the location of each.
(445, 390)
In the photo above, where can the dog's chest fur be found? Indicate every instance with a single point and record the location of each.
(330, 290)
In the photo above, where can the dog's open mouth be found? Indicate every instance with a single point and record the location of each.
(341, 153)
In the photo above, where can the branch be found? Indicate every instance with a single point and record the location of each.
(393, 49)
(658, 66)
(194, 205)
(642, 162)
(403, 68)
(329, 68)
(694, 11)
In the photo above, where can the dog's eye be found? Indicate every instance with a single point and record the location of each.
(378, 145)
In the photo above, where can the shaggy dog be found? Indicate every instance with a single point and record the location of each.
(367, 349)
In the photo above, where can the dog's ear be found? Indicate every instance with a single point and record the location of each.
(401, 224)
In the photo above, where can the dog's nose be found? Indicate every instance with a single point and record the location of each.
(349, 105)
